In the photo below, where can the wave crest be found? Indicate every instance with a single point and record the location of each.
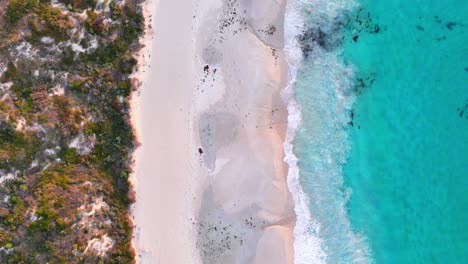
(317, 125)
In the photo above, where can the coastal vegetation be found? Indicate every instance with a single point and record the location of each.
(65, 136)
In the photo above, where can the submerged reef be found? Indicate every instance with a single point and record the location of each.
(65, 136)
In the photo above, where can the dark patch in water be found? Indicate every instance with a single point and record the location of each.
(351, 116)
(362, 83)
(313, 37)
(420, 28)
(327, 37)
(462, 110)
(352, 122)
(330, 37)
(361, 21)
(376, 29)
(450, 25)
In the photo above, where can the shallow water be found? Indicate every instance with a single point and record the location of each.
(324, 91)
(381, 148)
(408, 166)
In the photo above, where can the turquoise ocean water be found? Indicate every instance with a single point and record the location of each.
(381, 150)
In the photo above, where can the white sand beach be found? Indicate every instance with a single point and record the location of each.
(210, 179)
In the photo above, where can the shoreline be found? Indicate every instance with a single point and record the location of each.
(307, 248)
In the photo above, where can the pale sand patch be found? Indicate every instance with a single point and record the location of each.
(163, 176)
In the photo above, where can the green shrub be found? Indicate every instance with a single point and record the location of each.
(80, 4)
(16, 9)
(56, 23)
(11, 73)
(69, 156)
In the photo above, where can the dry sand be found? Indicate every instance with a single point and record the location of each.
(213, 86)
(163, 176)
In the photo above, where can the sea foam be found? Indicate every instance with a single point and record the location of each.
(307, 247)
(322, 232)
